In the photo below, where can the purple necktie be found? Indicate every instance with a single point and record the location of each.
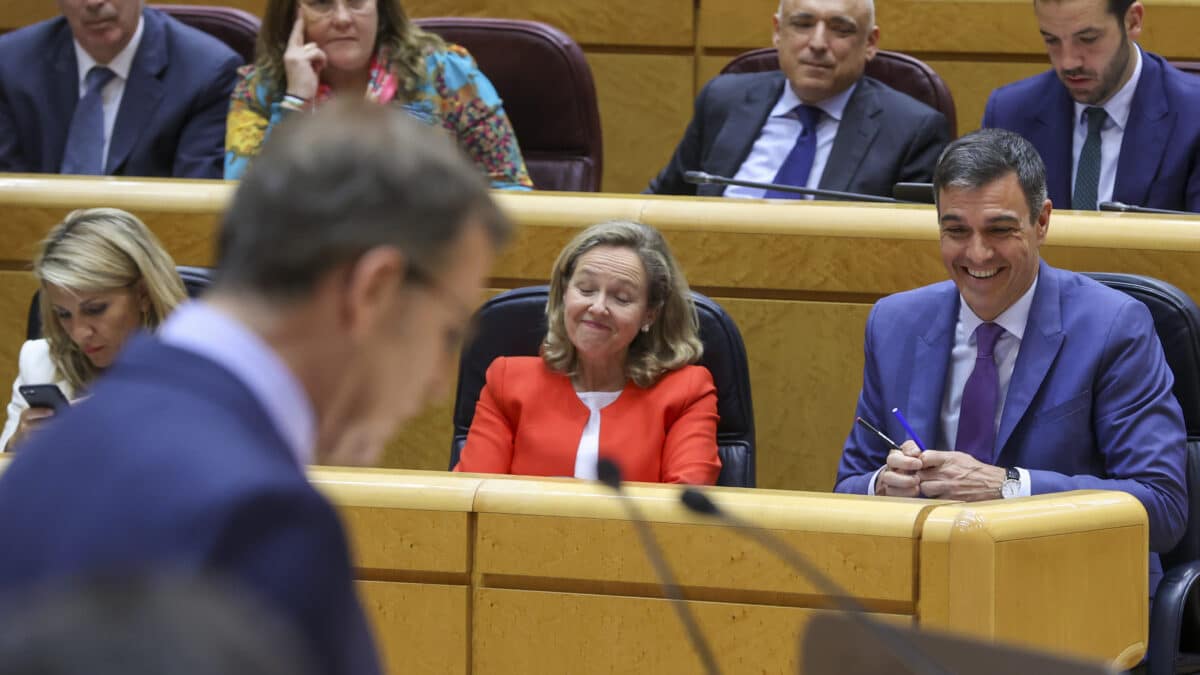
(977, 415)
(798, 164)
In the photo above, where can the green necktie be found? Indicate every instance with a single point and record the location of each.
(1087, 176)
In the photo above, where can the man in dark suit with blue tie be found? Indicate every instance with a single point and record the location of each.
(349, 262)
(1033, 379)
(817, 122)
(1112, 121)
(114, 88)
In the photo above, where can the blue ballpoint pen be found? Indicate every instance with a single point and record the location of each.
(911, 434)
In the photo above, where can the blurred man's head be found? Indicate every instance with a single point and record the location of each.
(824, 45)
(990, 188)
(102, 27)
(1090, 44)
(371, 235)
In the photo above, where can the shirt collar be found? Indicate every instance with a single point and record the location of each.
(834, 106)
(203, 330)
(1012, 320)
(1121, 104)
(121, 63)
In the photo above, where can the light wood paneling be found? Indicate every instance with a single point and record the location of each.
(419, 628)
(971, 82)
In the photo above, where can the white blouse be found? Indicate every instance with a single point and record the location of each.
(589, 443)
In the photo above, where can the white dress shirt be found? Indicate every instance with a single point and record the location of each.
(589, 443)
(111, 94)
(1112, 133)
(779, 135)
(962, 362)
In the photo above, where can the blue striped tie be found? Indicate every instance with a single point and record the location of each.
(1087, 174)
(85, 139)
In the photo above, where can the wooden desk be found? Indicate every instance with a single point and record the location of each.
(556, 580)
(799, 279)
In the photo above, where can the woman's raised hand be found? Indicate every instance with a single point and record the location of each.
(302, 62)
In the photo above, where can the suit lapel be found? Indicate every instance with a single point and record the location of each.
(1053, 140)
(1145, 139)
(63, 91)
(1040, 346)
(928, 375)
(856, 132)
(142, 94)
(739, 131)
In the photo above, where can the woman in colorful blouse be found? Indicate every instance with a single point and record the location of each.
(310, 50)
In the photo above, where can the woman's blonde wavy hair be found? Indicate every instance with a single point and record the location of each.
(406, 43)
(100, 250)
(673, 339)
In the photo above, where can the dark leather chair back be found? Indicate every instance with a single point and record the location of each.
(1175, 618)
(514, 324)
(899, 71)
(195, 281)
(236, 28)
(548, 92)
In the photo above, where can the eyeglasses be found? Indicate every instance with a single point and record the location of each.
(326, 7)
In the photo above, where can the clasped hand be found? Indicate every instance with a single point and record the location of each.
(941, 474)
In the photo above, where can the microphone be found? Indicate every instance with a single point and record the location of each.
(920, 193)
(1130, 208)
(610, 474)
(702, 178)
(913, 658)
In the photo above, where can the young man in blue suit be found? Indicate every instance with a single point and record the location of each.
(349, 263)
(1112, 121)
(114, 88)
(816, 122)
(1021, 378)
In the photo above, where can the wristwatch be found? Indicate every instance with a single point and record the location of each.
(1011, 487)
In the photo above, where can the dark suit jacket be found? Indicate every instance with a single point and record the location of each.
(172, 116)
(173, 465)
(885, 137)
(1159, 164)
(1089, 405)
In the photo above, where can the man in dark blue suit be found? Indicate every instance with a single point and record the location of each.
(114, 88)
(1112, 121)
(348, 265)
(1033, 379)
(816, 122)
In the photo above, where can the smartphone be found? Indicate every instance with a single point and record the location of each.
(45, 396)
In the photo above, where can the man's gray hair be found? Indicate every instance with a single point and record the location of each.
(987, 155)
(330, 186)
(870, 5)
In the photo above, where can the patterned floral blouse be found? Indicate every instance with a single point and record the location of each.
(455, 95)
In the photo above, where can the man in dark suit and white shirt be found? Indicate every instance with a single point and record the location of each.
(817, 122)
(112, 87)
(348, 265)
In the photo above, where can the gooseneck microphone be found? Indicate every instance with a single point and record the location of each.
(702, 178)
(610, 474)
(1131, 208)
(913, 658)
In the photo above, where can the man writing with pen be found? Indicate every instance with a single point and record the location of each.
(1024, 379)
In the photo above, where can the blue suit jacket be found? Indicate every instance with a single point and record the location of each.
(172, 116)
(1159, 164)
(1089, 405)
(885, 137)
(173, 465)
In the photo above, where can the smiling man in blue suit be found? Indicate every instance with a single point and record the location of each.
(114, 88)
(1112, 121)
(1033, 379)
(349, 262)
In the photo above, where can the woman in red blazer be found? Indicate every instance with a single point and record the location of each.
(613, 379)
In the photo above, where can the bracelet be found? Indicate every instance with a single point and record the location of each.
(293, 102)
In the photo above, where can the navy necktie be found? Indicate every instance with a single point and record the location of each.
(1087, 174)
(84, 153)
(981, 395)
(798, 164)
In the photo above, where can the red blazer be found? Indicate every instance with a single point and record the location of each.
(529, 421)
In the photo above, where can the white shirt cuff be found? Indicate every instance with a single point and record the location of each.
(1026, 482)
(871, 483)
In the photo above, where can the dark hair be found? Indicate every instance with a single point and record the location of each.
(332, 185)
(1117, 8)
(407, 44)
(987, 155)
(135, 625)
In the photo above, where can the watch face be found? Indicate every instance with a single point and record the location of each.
(1010, 488)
